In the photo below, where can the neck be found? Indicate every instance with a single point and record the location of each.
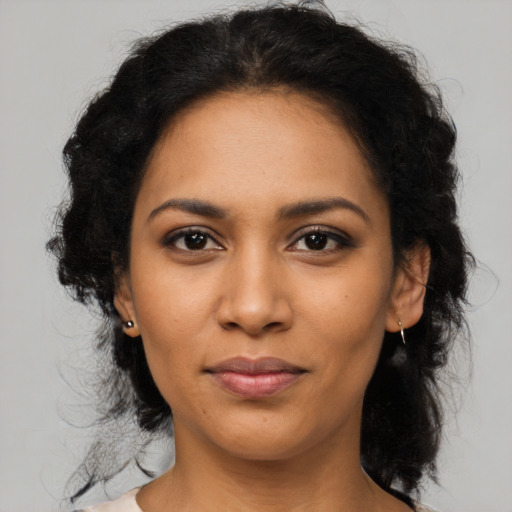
(326, 478)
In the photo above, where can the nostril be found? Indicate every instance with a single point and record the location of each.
(235, 325)
(273, 325)
(253, 311)
(229, 325)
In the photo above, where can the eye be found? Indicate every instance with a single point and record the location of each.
(321, 240)
(191, 240)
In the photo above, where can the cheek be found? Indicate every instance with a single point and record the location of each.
(347, 317)
(171, 303)
(173, 315)
(351, 302)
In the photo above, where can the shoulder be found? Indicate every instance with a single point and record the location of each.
(418, 507)
(125, 503)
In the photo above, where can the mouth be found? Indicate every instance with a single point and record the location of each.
(255, 378)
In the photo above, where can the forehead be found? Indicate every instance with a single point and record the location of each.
(273, 145)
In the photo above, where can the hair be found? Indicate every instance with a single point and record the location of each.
(377, 90)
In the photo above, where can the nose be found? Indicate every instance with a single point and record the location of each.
(253, 297)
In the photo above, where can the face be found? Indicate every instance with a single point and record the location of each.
(261, 275)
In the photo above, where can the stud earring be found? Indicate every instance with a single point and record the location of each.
(401, 331)
(129, 324)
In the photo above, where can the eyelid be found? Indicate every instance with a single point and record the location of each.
(338, 235)
(170, 238)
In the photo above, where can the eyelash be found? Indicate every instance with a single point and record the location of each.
(342, 241)
(170, 241)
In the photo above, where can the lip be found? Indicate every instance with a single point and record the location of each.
(255, 378)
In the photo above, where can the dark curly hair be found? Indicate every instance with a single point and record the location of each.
(396, 117)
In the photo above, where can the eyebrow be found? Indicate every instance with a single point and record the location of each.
(194, 206)
(310, 207)
(319, 206)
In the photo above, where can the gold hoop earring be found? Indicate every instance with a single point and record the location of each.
(401, 331)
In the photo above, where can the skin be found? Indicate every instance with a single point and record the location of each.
(257, 289)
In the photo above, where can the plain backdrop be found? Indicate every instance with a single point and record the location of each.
(54, 55)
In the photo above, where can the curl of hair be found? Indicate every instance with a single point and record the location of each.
(376, 90)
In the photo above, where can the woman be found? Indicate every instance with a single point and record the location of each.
(263, 206)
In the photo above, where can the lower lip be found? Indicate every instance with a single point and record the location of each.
(260, 385)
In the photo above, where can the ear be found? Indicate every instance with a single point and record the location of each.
(409, 288)
(123, 302)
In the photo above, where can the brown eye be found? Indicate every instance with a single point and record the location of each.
(191, 240)
(316, 241)
(195, 241)
(323, 241)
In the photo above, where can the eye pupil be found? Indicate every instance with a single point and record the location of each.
(195, 241)
(316, 241)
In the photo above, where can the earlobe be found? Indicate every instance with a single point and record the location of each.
(123, 302)
(408, 295)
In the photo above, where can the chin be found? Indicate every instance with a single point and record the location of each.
(269, 439)
(266, 450)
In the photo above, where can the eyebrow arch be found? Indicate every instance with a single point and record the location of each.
(194, 206)
(320, 206)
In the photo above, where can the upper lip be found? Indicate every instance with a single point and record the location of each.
(254, 366)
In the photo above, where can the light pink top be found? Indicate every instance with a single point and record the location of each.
(127, 503)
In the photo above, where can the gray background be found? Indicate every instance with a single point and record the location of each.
(56, 54)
